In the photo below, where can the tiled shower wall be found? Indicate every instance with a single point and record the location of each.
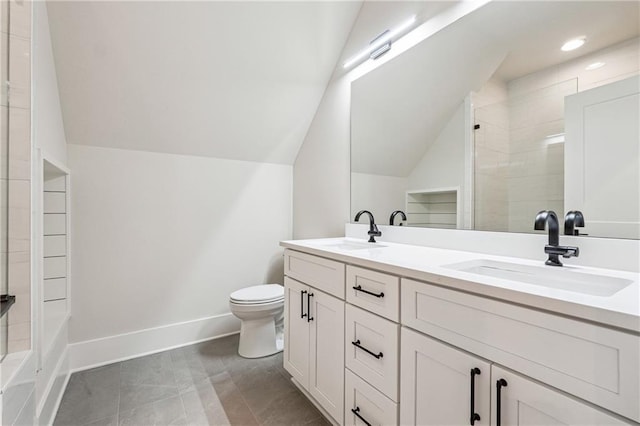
(16, 165)
(491, 166)
(518, 170)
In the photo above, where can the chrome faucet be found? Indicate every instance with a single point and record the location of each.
(553, 249)
(373, 229)
(573, 219)
(394, 214)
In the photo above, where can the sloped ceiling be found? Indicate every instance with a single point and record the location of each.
(399, 109)
(235, 80)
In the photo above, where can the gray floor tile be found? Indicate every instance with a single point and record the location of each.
(161, 413)
(156, 370)
(90, 395)
(290, 408)
(203, 406)
(109, 421)
(134, 396)
(193, 365)
(203, 384)
(261, 387)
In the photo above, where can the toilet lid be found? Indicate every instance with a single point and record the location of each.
(258, 294)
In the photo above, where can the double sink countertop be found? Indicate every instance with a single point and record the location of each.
(604, 296)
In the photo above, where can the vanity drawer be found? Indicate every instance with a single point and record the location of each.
(370, 404)
(376, 292)
(323, 274)
(595, 363)
(371, 349)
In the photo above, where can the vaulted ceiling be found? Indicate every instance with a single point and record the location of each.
(235, 80)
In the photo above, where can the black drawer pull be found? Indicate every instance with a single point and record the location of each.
(474, 416)
(302, 314)
(309, 317)
(356, 411)
(499, 385)
(359, 288)
(357, 345)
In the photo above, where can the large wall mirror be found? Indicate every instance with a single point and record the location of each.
(488, 121)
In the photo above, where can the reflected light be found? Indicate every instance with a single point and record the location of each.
(573, 44)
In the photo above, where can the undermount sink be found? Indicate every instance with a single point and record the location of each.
(354, 245)
(545, 276)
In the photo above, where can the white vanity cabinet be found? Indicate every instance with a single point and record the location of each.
(525, 402)
(372, 347)
(442, 385)
(314, 333)
(411, 352)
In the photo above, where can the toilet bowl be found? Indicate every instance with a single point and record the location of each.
(261, 311)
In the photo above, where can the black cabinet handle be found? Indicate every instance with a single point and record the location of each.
(356, 411)
(359, 288)
(309, 317)
(474, 416)
(357, 345)
(499, 385)
(302, 314)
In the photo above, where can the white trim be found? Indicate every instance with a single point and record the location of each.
(47, 393)
(110, 349)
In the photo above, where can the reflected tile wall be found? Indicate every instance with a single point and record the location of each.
(15, 163)
(536, 167)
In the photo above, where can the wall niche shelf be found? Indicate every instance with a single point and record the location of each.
(434, 208)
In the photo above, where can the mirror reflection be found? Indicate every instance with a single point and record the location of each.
(507, 124)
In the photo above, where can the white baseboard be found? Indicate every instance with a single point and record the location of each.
(107, 350)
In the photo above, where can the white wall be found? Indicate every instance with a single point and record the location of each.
(442, 165)
(322, 168)
(159, 239)
(381, 195)
(48, 129)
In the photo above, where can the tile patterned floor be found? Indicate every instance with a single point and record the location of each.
(202, 384)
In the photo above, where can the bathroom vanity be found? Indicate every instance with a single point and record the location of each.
(391, 333)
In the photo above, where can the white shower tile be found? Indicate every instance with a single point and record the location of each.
(55, 288)
(55, 267)
(55, 202)
(55, 245)
(55, 223)
(57, 184)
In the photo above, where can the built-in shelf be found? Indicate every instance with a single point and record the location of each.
(433, 208)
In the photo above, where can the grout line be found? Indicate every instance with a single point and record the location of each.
(119, 393)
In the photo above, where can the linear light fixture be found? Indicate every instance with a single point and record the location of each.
(380, 44)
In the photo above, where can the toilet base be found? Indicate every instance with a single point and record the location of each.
(259, 338)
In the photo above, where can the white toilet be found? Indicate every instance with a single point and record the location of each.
(261, 311)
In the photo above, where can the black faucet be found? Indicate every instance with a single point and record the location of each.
(553, 249)
(573, 219)
(373, 229)
(394, 214)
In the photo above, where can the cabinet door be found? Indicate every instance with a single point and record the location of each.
(435, 383)
(326, 381)
(296, 331)
(524, 402)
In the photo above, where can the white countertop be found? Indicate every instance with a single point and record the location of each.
(621, 310)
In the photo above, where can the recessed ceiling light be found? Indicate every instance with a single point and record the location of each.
(595, 66)
(573, 44)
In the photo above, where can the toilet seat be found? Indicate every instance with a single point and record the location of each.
(258, 295)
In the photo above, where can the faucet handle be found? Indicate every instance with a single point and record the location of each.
(564, 251)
